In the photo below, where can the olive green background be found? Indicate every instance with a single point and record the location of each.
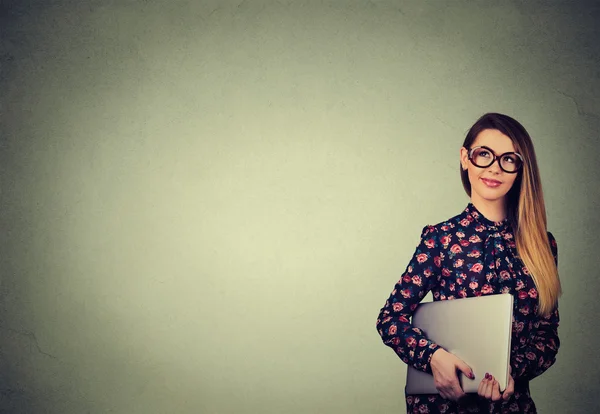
(205, 204)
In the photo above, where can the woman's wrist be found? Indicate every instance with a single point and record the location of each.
(436, 355)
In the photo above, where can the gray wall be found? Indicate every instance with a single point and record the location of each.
(205, 204)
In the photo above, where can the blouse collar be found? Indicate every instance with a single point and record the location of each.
(478, 217)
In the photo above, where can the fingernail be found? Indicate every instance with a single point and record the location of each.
(472, 375)
(487, 376)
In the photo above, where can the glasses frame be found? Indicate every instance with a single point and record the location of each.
(495, 158)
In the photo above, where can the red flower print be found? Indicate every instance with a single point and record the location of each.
(520, 285)
(530, 356)
(430, 243)
(411, 341)
(462, 293)
(437, 260)
(459, 281)
(458, 262)
(477, 268)
(505, 290)
(416, 280)
(422, 342)
(464, 243)
(403, 319)
(406, 293)
(504, 275)
(486, 289)
(442, 296)
(421, 258)
(444, 228)
(393, 329)
(455, 248)
(460, 234)
(474, 253)
(426, 272)
(474, 239)
(464, 222)
(525, 310)
(445, 240)
(479, 228)
(522, 294)
(395, 341)
(452, 287)
(533, 293)
(397, 306)
(406, 278)
(446, 272)
(423, 409)
(518, 326)
(473, 285)
(525, 270)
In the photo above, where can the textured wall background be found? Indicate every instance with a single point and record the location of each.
(205, 204)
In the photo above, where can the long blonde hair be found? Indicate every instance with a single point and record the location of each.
(526, 209)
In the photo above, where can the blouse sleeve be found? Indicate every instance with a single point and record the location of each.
(393, 324)
(539, 353)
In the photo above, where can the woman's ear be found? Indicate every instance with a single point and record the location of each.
(464, 158)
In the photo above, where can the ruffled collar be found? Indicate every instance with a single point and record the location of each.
(478, 217)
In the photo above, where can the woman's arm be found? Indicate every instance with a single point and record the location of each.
(393, 323)
(539, 353)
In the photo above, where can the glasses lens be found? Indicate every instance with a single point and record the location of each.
(510, 162)
(482, 157)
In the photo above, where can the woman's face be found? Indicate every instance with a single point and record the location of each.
(491, 183)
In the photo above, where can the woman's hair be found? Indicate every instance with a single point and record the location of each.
(526, 211)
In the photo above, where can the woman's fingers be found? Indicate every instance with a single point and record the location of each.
(496, 390)
(488, 387)
(510, 388)
(482, 385)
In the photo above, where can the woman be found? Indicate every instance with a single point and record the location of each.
(498, 244)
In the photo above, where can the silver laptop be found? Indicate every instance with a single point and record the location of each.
(477, 330)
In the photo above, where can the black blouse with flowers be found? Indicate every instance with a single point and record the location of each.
(470, 255)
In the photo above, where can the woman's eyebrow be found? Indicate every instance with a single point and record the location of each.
(496, 152)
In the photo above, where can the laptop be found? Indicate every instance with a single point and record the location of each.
(477, 330)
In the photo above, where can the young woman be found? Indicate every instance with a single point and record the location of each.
(499, 244)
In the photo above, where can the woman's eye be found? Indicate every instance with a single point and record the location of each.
(484, 153)
(510, 159)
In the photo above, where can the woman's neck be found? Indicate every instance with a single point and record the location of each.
(492, 210)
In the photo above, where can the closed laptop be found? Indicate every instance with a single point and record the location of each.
(477, 330)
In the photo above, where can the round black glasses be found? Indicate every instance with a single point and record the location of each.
(483, 157)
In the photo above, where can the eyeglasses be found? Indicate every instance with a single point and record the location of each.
(483, 157)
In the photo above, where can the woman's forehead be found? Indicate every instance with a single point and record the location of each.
(494, 139)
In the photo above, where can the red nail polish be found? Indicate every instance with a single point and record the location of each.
(487, 375)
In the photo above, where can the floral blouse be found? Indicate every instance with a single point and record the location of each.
(470, 255)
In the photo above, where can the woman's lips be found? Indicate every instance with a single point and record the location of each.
(491, 183)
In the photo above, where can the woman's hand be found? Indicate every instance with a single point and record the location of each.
(444, 366)
(490, 388)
